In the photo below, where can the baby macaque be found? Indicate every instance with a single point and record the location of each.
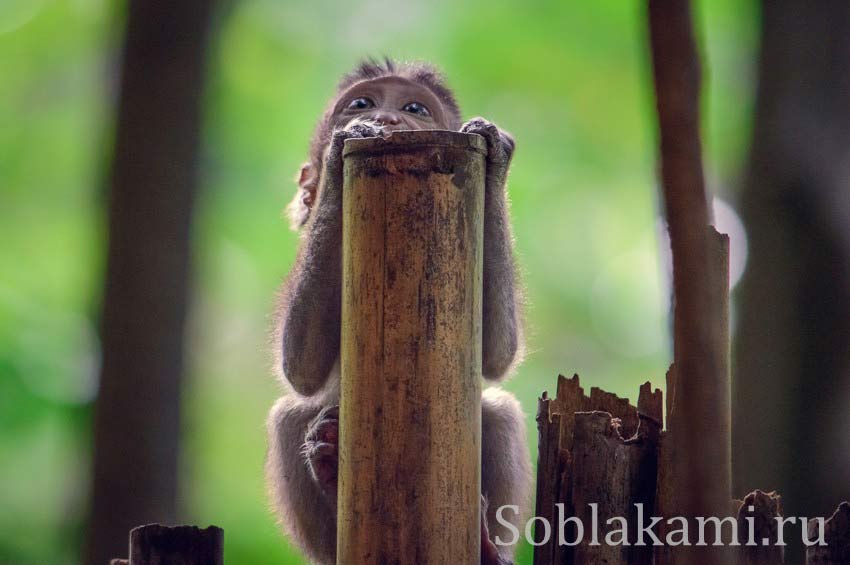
(301, 466)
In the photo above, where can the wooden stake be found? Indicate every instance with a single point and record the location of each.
(758, 512)
(614, 475)
(155, 544)
(837, 538)
(694, 457)
(410, 415)
(601, 450)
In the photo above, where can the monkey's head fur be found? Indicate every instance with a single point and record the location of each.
(422, 74)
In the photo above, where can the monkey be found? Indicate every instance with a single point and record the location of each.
(303, 425)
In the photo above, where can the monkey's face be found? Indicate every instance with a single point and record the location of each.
(395, 102)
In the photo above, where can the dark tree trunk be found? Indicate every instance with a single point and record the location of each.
(695, 452)
(792, 353)
(152, 186)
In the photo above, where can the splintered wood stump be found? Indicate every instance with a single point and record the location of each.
(410, 415)
(615, 474)
(599, 450)
(757, 524)
(836, 536)
(155, 544)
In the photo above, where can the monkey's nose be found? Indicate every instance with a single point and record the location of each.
(387, 118)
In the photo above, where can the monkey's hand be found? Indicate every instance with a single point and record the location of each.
(331, 194)
(355, 129)
(321, 448)
(500, 150)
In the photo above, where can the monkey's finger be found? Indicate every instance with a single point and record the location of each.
(323, 463)
(324, 429)
(320, 450)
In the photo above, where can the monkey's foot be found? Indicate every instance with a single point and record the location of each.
(321, 447)
(489, 552)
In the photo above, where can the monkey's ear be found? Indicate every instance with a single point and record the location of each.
(299, 209)
(308, 183)
(306, 175)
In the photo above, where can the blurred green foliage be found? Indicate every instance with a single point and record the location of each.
(569, 79)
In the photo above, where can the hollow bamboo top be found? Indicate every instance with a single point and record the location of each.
(407, 139)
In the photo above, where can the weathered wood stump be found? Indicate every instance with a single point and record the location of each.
(410, 415)
(155, 544)
(761, 510)
(836, 536)
(600, 450)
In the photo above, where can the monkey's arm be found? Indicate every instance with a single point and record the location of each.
(501, 330)
(309, 312)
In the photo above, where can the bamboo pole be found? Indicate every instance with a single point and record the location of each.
(410, 415)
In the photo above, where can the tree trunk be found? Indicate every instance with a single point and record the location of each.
(792, 349)
(152, 188)
(696, 448)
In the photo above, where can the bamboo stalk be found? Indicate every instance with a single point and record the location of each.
(410, 414)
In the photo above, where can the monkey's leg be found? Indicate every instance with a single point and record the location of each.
(304, 511)
(505, 463)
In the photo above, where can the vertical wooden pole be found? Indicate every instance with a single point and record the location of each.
(410, 414)
(696, 450)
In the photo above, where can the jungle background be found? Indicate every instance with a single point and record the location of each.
(572, 82)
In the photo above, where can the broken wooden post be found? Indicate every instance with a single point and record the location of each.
(410, 416)
(599, 450)
(155, 544)
(694, 458)
(616, 474)
(758, 529)
(837, 537)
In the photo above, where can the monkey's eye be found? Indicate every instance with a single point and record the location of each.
(360, 104)
(416, 108)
